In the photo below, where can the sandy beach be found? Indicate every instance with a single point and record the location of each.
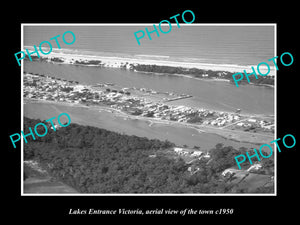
(117, 62)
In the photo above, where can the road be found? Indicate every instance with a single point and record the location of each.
(228, 133)
(237, 135)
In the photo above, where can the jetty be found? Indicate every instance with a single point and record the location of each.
(178, 98)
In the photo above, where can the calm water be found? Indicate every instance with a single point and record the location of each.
(208, 94)
(238, 45)
(178, 135)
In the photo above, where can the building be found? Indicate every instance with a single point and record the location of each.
(196, 153)
(55, 126)
(229, 171)
(178, 150)
(255, 167)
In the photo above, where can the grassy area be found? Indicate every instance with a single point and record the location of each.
(249, 181)
(175, 132)
(39, 181)
(46, 186)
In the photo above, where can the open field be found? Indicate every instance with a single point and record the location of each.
(46, 186)
(251, 181)
(39, 181)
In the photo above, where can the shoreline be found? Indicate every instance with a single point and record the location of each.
(152, 96)
(140, 107)
(233, 135)
(148, 65)
(130, 66)
(120, 61)
(202, 79)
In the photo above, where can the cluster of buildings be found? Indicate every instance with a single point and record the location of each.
(255, 123)
(191, 153)
(169, 94)
(223, 119)
(175, 113)
(252, 169)
(231, 171)
(56, 89)
(190, 156)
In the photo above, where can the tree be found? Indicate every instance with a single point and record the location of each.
(95, 160)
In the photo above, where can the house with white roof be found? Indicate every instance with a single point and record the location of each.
(254, 167)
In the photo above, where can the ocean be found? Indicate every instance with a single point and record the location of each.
(217, 44)
(234, 45)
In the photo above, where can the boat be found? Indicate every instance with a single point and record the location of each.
(238, 111)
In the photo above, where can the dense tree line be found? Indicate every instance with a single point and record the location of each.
(199, 72)
(95, 160)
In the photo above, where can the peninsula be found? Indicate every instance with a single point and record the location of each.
(144, 104)
(156, 65)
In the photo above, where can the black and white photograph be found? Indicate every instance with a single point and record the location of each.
(161, 117)
(146, 110)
